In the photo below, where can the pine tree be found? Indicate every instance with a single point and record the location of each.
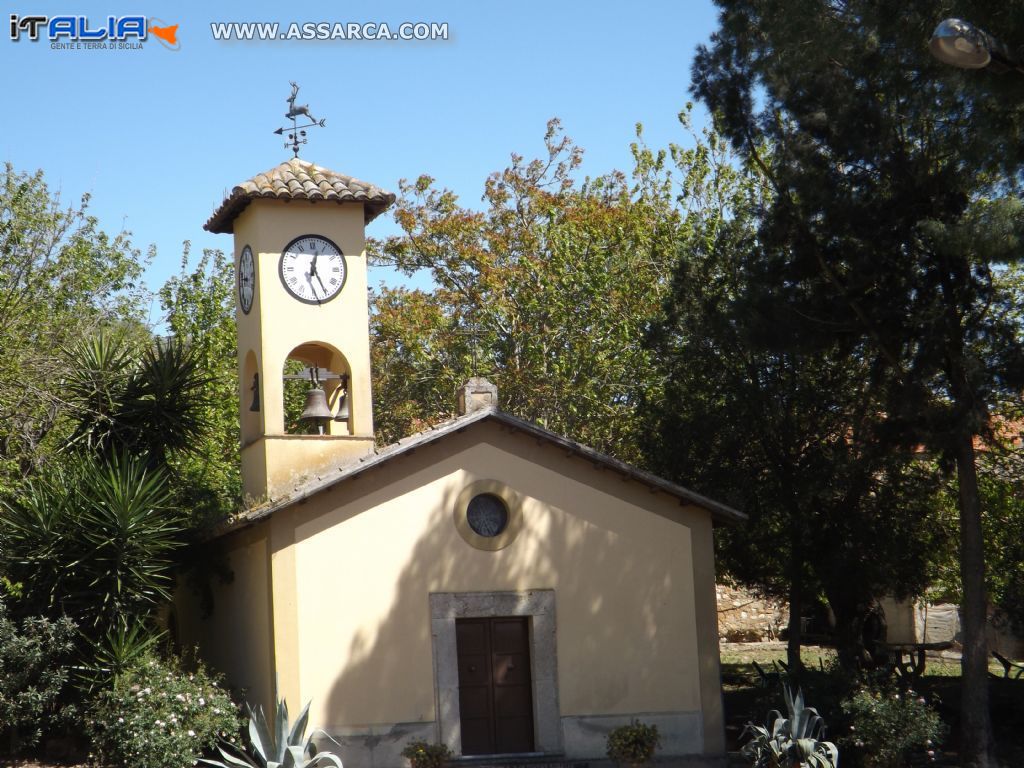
(893, 207)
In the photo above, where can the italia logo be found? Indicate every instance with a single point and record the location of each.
(79, 29)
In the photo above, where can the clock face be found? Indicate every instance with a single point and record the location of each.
(313, 269)
(246, 279)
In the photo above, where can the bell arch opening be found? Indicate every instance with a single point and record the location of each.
(250, 396)
(316, 394)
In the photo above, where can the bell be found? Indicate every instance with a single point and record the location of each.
(316, 406)
(255, 392)
(343, 410)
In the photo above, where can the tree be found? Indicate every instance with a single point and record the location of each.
(889, 216)
(789, 435)
(549, 291)
(200, 307)
(61, 278)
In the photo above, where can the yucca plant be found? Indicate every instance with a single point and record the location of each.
(148, 400)
(93, 540)
(286, 746)
(796, 741)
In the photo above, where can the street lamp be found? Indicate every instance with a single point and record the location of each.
(961, 44)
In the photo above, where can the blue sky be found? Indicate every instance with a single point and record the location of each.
(158, 136)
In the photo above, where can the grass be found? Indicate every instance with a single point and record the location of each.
(746, 700)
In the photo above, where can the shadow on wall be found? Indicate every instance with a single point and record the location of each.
(612, 588)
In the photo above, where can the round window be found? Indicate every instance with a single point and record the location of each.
(487, 515)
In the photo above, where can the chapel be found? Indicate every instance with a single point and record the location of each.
(486, 583)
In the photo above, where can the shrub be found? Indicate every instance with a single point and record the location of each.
(423, 754)
(159, 715)
(887, 726)
(796, 741)
(93, 540)
(33, 653)
(633, 743)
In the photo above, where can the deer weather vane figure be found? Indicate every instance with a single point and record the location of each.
(297, 134)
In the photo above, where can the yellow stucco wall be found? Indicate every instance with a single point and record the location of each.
(277, 324)
(236, 638)
(366, 555)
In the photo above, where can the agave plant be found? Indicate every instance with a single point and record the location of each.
(796, 741)
(286, 746)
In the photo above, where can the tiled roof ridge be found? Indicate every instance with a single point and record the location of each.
(297, 179)
(323, 480)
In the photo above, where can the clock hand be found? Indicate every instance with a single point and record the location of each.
(321, 284)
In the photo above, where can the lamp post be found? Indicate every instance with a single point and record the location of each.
(961, 44)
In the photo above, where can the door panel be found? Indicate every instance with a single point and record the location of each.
(495, 691)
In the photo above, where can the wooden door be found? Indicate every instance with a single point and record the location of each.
(495, 694)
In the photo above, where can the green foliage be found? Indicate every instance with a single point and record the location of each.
(894, 206)
(159, 715)
(283, 746)
(423, 754)
(61, 278)
(93, 541)
(548, 291)
(790, 434)
(115, 652)
(200, 307)
(1000, 479)
(35, 655)
(633, 744)
(149, 400)
(887, 726)
(796, 741)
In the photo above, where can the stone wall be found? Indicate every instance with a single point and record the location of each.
(744, 618)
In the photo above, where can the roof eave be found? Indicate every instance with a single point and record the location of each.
(222, 222)
(721, 513)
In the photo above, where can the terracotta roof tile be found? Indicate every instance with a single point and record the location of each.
(299, 180)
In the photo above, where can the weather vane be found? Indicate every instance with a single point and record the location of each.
(297, 134)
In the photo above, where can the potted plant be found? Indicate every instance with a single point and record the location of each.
(422, 754)
(633, 744)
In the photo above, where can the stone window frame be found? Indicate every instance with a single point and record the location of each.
(539, 606)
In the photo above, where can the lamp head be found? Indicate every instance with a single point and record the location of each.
(960, 44)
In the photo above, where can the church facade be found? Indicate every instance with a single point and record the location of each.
(486, 584)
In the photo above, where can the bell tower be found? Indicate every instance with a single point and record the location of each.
(302, 314)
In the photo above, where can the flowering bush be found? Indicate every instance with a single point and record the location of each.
(160, 716)
(422, 754)
(886, 726)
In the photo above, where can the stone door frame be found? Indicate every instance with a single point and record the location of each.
(539, 606)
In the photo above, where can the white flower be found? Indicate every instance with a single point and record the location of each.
(202, 702)
(191, 733)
